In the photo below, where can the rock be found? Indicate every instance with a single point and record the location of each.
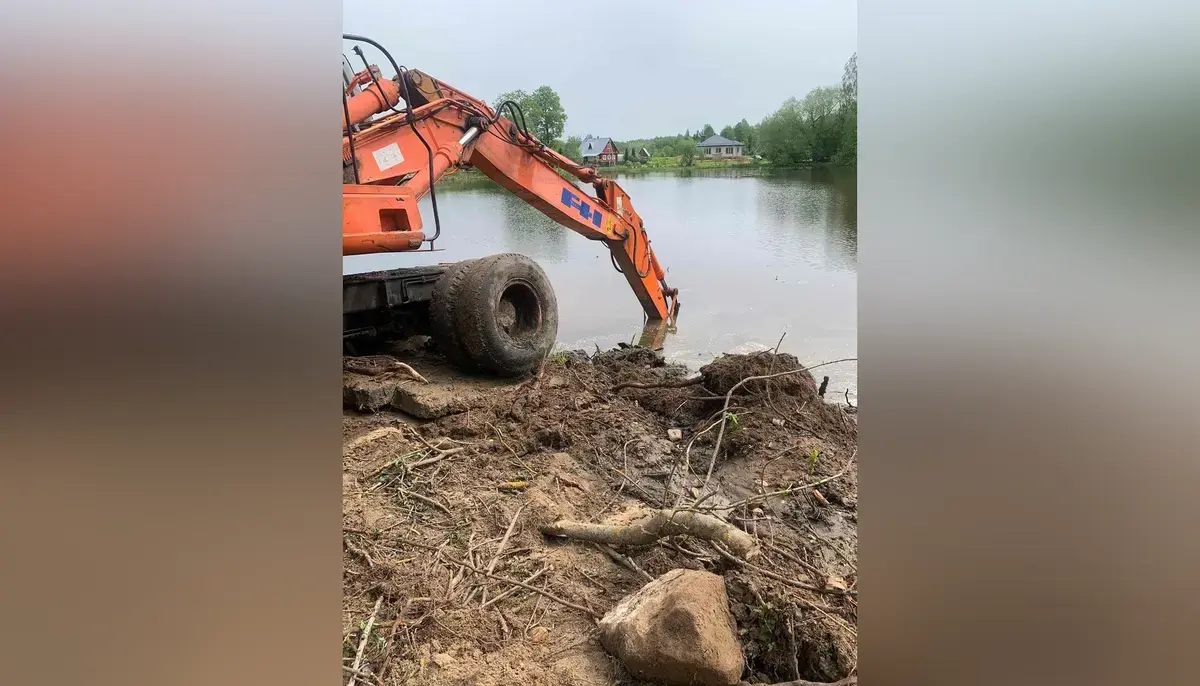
(675, 434)
(777, 421)
(676, 630)
(443, 660)
(556, 382)
(836, 583)
(539, 634)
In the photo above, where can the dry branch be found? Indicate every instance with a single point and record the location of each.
(789, 491)
(504, 594)
(783, 579)
(374, 366)
(500, 548)
(659, 524)
(428, 501)
(368, 437)
(624, 561)
(521, 584)
(729, 396)
(663, 384)
(362, 643)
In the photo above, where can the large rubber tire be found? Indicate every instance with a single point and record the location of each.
(442, 306)
(505, 314)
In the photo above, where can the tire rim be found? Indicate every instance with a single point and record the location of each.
(519, 312)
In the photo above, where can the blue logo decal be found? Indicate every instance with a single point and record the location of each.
(585, 210)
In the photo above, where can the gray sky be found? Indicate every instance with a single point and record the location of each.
(664, 66)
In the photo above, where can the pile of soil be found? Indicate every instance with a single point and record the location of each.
(589, 439)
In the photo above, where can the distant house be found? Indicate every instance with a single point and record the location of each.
(720, 146)
(598, 151)
(643, 154)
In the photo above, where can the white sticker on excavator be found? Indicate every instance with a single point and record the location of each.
(388, 156)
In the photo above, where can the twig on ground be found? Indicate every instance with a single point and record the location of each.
(662, 384)
(500, 548)
(362, 644)
(787, 491)
(368, 437)
(441, 455)
(379, 365)
(778, 577)
(791, 631)
(525, 586)
(428, 501)
(365, 675)
(852, 405)
(784, 453)
(436, 449)
(624, 561)
(729, 396)
(504, 594)
(789, 556)
(358, 551)
(687, 460)
(514, 453)
(387, 650)
(658, 524)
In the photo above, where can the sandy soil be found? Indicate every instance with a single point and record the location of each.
(424, 499)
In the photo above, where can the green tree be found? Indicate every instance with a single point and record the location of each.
(823, 119)
(687, 155)
(781, 135)
(571, 148)
(543, 110)
(707, 132)
(848, 145)
(808, 130)
(727, 132)
(743, 133)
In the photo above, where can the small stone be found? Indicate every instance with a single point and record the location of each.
(776, 421)
(539, 634)
(675, 434)
(677, 630)
(555, 382)
(836, 583)
(443, 660)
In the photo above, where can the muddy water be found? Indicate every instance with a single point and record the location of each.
(754, 255)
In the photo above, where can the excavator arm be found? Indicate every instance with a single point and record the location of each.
(396, 160)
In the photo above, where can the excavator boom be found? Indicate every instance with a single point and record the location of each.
(393, 161)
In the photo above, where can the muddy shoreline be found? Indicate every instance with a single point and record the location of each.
(437, 471)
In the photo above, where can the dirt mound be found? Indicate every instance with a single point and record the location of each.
(724, 373)
(442, 517)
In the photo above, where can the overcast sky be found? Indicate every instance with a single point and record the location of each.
(623, 68)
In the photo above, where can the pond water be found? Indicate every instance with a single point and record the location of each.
(754, 254)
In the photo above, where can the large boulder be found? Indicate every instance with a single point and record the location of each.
(676, 630)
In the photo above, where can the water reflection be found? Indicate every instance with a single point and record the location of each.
(528, 231)
(796, 202)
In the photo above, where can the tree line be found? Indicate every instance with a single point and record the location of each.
(821, 127)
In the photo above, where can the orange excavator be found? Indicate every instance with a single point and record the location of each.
(497, 314)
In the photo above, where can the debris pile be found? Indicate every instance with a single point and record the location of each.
(490, 527)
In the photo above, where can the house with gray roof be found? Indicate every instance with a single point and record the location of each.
(598, 151)
(720, 146)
